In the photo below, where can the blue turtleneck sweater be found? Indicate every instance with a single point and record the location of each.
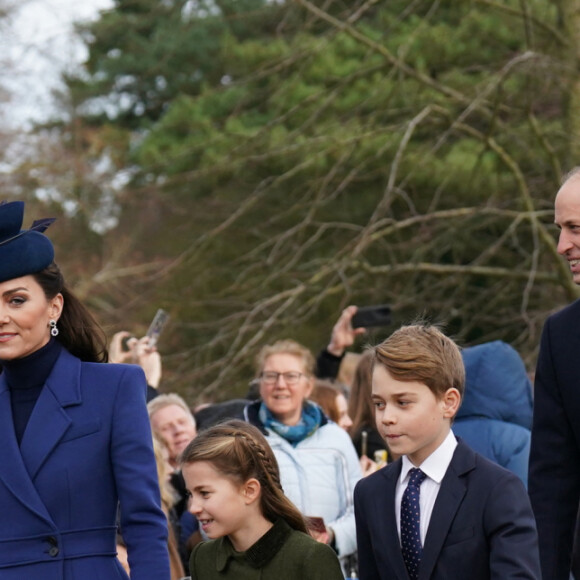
(26, 377)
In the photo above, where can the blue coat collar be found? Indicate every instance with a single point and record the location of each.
(47, 425)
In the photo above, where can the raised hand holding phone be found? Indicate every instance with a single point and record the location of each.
(121, 348)
(147, 357)
(344, 333)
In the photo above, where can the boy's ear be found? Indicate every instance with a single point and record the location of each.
(451, 401)
(251, 490)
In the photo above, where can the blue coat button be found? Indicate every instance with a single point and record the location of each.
(54, 551)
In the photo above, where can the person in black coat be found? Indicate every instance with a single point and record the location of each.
(554, 477)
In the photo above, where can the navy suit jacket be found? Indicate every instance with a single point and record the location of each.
(87, 447)
(554, 479)
(481, 527)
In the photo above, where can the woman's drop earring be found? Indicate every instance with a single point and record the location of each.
(53, 328)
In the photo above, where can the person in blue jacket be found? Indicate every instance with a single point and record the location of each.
(75, 441)
(495, 417)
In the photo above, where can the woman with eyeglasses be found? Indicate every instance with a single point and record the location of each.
(318, 463)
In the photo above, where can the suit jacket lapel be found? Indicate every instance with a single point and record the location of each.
(46, 426)
(49, 420)
(13, 472)
(448, 500)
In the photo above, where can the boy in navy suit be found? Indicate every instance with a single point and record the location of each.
(441, 511)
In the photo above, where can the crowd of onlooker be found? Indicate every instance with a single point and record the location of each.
(318, 417)
(409, 460)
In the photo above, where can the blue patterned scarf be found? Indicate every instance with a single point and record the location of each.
(309, 422)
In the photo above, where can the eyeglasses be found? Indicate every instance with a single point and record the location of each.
(271, 377)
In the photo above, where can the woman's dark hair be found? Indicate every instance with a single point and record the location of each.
(79, 332)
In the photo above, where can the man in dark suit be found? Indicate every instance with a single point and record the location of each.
(554, 478)
(441, 511)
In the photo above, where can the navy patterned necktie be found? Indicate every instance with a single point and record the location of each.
(410, 523)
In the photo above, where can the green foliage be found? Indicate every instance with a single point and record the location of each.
(293, 161)
(145, 53)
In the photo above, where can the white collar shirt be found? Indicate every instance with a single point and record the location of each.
(434, 467)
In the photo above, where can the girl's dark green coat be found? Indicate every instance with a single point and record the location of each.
(280, 554)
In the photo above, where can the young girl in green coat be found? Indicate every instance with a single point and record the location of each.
(254, 529)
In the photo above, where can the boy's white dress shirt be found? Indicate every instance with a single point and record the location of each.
(434, 467)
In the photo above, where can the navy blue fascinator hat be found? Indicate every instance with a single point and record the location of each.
(22, 252)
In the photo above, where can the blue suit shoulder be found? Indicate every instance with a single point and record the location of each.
(109, 374)
(465, 460)
(112, 369)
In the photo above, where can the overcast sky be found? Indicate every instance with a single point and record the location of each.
(40, 43)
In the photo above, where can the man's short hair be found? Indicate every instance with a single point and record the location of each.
(165, 400)
(421, 352)
(574, 173)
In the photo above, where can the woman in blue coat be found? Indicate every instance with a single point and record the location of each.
(75, 440)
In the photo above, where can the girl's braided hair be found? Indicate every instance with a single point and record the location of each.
(240, 452)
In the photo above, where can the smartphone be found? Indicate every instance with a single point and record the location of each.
(157, 325)
(367, 316)
(316, 524)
